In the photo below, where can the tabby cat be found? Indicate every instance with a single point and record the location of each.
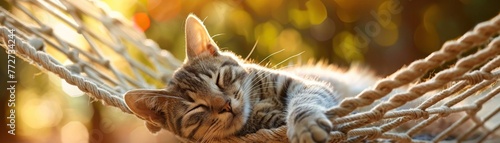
(216, 94)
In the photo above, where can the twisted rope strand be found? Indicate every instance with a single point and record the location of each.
(469, 132)
(450, 50)
(43, 59)
(443, 77)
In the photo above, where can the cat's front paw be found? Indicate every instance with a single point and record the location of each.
(311, 129)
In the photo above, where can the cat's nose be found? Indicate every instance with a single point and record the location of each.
(226, 108)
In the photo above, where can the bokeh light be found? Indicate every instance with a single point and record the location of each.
(141, 134)
(163, 10)
(263, 8)
(241, 23)
(290, 39)
(346, 47)
(268, 32)
(390, 36)
(317, 11)
(74, 132)
(426, 40)
(141, 20)
(323, 31)
(40, 113)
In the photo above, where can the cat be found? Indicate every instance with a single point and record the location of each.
(216, 94)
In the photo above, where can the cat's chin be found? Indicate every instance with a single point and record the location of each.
(234, 126)
(238, 120)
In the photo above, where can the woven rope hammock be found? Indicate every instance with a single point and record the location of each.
(115, 58)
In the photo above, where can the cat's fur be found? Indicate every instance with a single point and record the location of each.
(215, 94)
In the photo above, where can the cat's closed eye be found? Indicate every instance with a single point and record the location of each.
(198, 106)
(219, 82)
(225, 78)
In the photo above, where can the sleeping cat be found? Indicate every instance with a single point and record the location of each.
(216, 94)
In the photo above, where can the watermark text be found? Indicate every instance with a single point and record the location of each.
(11, 82)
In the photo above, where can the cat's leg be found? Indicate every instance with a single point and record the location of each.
(307, 122)
(268, 116)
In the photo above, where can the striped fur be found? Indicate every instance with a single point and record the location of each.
(216, 94)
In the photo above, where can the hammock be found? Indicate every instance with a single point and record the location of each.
(142, 64)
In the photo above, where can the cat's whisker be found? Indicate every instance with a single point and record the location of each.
(272, 54)
(288, 59)
(261, 86)
(268, 64)
(262, 76)
(265, 83)
(220, 34)
(253, 48)
(256, 80)
(288, 66)
(212, 130)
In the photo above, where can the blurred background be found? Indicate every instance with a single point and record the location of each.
(382, 34)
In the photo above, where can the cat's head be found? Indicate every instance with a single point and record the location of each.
(204, 99)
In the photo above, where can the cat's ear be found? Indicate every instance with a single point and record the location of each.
(146, 104)
(198, 41)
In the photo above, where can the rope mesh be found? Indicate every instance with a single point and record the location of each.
(142, 64)
(90, 70)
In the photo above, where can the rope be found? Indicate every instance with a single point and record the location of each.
(45, 60)
(450, 50)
